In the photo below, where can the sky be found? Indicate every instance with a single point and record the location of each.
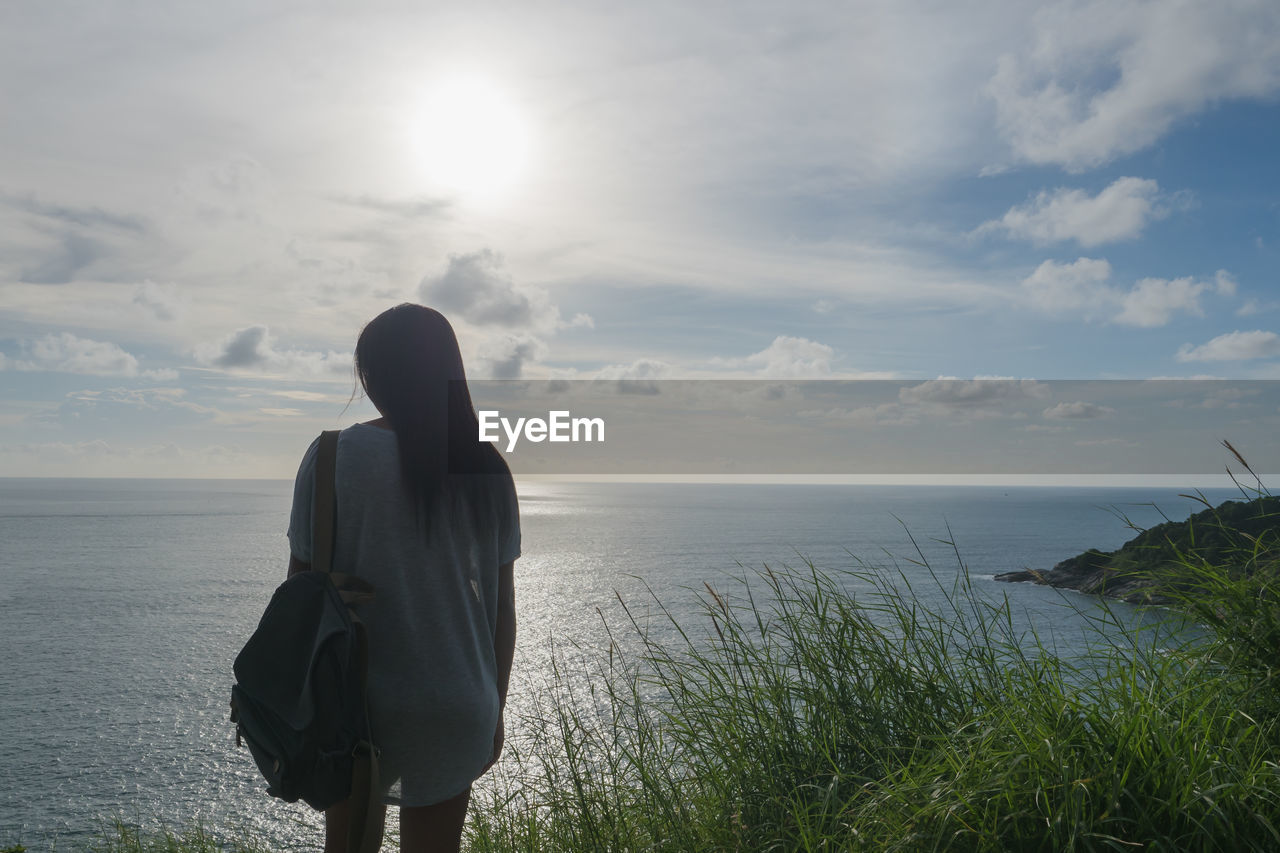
(202, 204)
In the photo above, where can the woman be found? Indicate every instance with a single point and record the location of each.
(426, 513)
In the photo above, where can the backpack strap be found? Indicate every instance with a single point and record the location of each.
(322, 526)
(365, 826)
(364, 829)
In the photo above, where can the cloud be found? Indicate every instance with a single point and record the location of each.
(948, 400)
(142, 398)
(1077, 411)
(245, 405)
(88, 217)
(237, 189)
(513, 321)
(307, 396)
(642, 368)
(245, 348)
(1084, 286)
(786, 358)
(880, 415)
(1253, 305)
(1106, 442)
(64, 261)
(162, 301)
(419, 208)
(1106, 78)
(66, 353)
(971, 393)
(1119, 212)
(97, 457)
(1230, 397)
(1154, 301)
(477, 288)
(1234, 346)
(1044, 429)
(107, 404)
(506, 359)
(639, 378)
(252, 348)
(1081, 284)
(62, 242)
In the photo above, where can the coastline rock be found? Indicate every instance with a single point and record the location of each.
(1151, 568)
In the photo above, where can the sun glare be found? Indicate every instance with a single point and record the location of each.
(473, 140)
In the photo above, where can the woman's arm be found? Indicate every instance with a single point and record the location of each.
(504, 638)
(296, 565)
(504, 649)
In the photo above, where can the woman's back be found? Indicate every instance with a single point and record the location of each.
(432, 671)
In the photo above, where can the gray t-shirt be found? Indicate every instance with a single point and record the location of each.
(433, 700)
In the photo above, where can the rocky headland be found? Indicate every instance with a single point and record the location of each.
(1152, 567)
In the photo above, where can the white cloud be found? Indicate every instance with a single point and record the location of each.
(786, 358)
(1249, 307)
(641, 368)
(1105, 78)
(971, 393)
(640, 377)
(66, 353)
(1234, 346)
(1119, 212)
(1079, 410)
(143, 398)
(506, 357)
(1084, 286)
(1079, 285)
(946, 399)
(238, 188)
(108, 405)
(307, 396)
(1154, 301)
(162, 301)
(99, 458)
(1225, 283)
(1105, 442)
(252, 348)
(880, 415)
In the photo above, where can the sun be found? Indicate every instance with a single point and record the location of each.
(473, 140)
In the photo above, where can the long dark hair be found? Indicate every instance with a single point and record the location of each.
(408, 362)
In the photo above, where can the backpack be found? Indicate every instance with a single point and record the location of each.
(299, 697)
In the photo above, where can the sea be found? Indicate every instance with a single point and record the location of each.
(124, 603)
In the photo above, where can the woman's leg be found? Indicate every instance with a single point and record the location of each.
(338, 818)
(436, 828)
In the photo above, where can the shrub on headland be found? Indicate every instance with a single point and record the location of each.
(1160, 564)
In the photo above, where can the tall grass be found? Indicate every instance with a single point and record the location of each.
(124, 837)
(797, 713)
